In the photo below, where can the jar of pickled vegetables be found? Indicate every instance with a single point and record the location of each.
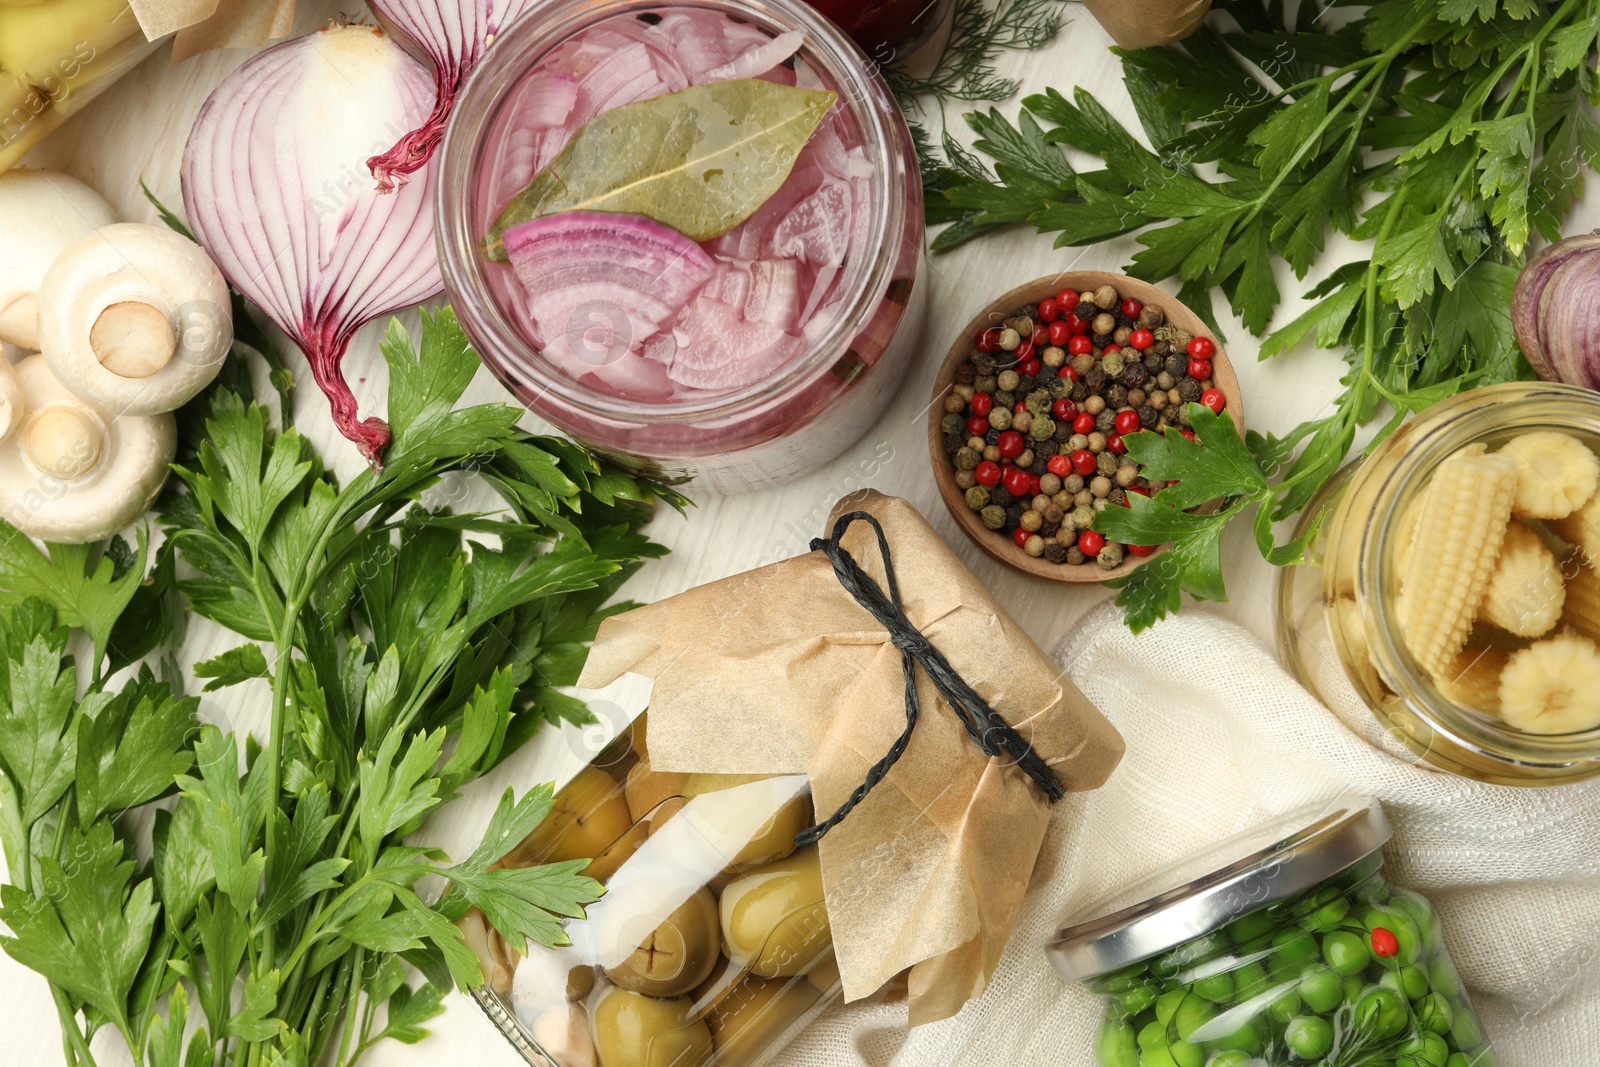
(1452, 588)
(1282, 947)
(711, 945)
(737, 359)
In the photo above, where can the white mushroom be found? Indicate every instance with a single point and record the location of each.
(11, 403)
(72, 473)
(41, 213)
(135, 319)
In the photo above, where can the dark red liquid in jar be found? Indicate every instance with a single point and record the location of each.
(887, 30)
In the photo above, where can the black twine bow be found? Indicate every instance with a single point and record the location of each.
(983, 724)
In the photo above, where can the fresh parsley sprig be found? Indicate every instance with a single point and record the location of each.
(409, 648)
(1443, 132)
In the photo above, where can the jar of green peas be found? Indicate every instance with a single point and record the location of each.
(1282, 947)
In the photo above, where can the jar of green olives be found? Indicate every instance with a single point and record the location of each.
(711, 946)
(1283, 947)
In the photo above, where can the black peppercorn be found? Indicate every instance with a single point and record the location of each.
(1117, 396)
(1063, 431)
(1189, 390)
(1055, 553)
(1039, 465)
(1176, 366)
(992, 437)
(1095, 379)
(1134, 375)
(1102, 339)
(983, 365)
(1079, 392)
(1048, 529)
(953, 443)
(1014, 514)
(1004, 399)
(1153, 362)
(1001, 496)
(966, 374)
(1075, 555)
(1106, 421)
(1025, 385)
(1148, 416)
(1047, 448)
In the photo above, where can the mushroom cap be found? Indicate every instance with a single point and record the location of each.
(130, 465)
(12, 406)
(135, 273)
(41, 213)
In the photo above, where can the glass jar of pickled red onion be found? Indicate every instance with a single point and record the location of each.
(1343, 629)
(798, 338)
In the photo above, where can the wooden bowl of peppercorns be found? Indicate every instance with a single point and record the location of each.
(1088, 356)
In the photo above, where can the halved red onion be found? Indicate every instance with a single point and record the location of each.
(277, 192)
(452, 35)
(1555, 310)
(599, 284)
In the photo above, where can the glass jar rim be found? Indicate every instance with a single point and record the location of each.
(1243, 873)
(525, 43)
(1465, 419)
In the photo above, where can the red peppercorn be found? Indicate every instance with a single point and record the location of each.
(1127, 422)
(1068, 372)
(986, 340)
(977, 426)
(1213, 399)
(1058, 465)
(1015, 480)
(1202, 348)
(1141, 490)
(1079, 326)
(981, 403)
(1031, 367)
(1033, 485)
(1384, 943)
(1060, 333)
(1142, 339)
(1083, 423)
(987, 473)
(1011, 444)
(1080, 345)
(1199, 369)
(1064, 409)
(1040, 335)
(1189, 434)
(1108, 349)
(1140, 550)
(1018, 408)
(1049, 310)
(1115, 444)
(1024, 351)
(1083, 462)
(1090, 542)
(1019, 536)
(1131, 308)
(1067, 299)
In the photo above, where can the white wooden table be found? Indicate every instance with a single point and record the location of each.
(138, 129)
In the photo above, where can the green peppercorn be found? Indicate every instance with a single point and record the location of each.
(951, 424)
(1110, 556)
(1082, 516)
(1038, 402)
(977, 498)
(1041, 428)
(1106, 463)
(966, 459)
(1059, 388)
(1112, 364)
(966, 479)
(1004, 399)
(986, 384)
(993, 516)
(1106, 421)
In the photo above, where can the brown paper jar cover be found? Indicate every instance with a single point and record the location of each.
(779, 671)
(1145, 23)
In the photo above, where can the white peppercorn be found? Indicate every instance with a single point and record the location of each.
(1053, 357)
(1082, 516)
(1021, 421)
(1000, 418)
(1031, 520)
(991, 453)
(965, 392)
(1077, 442)
(1049, 484)
(953, 404)
(1010, 339)
(1097, 442)
(1072, 483)
(1127, 474)
(1101, 486)
(966, 480)
(1034, 546)
(1008, 381)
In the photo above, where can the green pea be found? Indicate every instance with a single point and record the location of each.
(1186, 1055)
(1410, 981)
(1214, 987)
(1286, 1007)
(1295, 946)
(1309, 1036)
(1345, 952)
(1434, 1013)
(1381, 1013)
(1247, 928)
(1152, 1037)
(1443, 977)
(1458, 1059)
(1232, 1058)
(1157, 1058)
(1466, 1032)
(1250, 981)
(1328, 916)
(1115, 1045)
(1321, 989)
(1167, 1004)
(1423, 1050)
(1354, 986)
(1117, 981)
(1191, 1015)
(1137, 999)
(1247, 1038)
(1419, 911)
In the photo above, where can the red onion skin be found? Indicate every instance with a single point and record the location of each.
(1555, 311)
(428, 26)
(259, 211)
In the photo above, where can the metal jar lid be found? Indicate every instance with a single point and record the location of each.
(1242, 874)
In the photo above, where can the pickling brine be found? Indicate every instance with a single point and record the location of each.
(742, 353)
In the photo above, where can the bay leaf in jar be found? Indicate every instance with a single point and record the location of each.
(700, 160)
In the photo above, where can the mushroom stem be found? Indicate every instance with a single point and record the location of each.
(63, 441)
(133, 339)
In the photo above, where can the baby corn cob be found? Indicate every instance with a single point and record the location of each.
(1407, 539)
(1556, 474)
(1583, 601)
(1473, 679)
(1552, 687)
(1465, 511)
(1582, 528)
(1525, 593)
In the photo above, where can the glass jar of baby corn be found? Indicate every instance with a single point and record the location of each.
(1453, 588)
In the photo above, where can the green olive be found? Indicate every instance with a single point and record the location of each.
(677, 955)
(774, 920)
(754, 1015)
(772, 840)
(646, 788)
(633, 1030)
(588, 815)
